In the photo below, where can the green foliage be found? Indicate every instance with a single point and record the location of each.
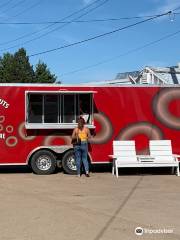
(16, 68)
(43, 75)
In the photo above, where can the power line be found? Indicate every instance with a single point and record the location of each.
(53, 30)
(80, 21)
(15, 5)
(44, 28)
(76, 21)
(123, 54)
(176, 8)
(22, 12)
(28, 41)
(98, 36)
(5, 4)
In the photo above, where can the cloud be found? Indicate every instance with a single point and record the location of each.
(169, 5)
(156, 63)
(162, 7)
(87, 2)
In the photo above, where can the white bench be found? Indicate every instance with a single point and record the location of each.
(124, 155)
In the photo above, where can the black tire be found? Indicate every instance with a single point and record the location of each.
(69, 163)
(43, 162)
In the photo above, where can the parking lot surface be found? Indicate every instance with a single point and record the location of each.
(102, 207)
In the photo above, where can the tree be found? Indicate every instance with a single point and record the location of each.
(43, 74)
(16, 68)
(6, 65)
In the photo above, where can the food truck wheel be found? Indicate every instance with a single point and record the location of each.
(43, 162)
(68, 163)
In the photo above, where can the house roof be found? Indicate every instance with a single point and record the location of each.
(166, 75)
(171, 75)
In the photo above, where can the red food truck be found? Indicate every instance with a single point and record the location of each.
(36, 121)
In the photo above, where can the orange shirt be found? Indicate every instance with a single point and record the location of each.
(83, 134)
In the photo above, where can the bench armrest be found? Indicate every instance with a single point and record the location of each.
(176, 155)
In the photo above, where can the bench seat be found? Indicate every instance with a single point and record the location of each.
(124, 155)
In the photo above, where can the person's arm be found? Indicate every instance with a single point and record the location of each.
(88, 133)
(74, 134)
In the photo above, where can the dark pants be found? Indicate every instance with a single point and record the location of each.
(81, 152)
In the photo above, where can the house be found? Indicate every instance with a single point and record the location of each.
(149, 75)
(159, 75)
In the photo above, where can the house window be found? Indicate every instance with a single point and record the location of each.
(58, 109)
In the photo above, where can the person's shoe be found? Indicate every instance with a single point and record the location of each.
(87, 175)
(79, 175)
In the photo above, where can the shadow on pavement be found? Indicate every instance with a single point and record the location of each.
(131, 171)
(15, 169)
(98, 168)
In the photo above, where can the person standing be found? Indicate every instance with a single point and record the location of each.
(80, 135)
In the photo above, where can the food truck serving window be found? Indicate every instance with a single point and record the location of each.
(58, 109)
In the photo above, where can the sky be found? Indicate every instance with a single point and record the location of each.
(99, 59)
